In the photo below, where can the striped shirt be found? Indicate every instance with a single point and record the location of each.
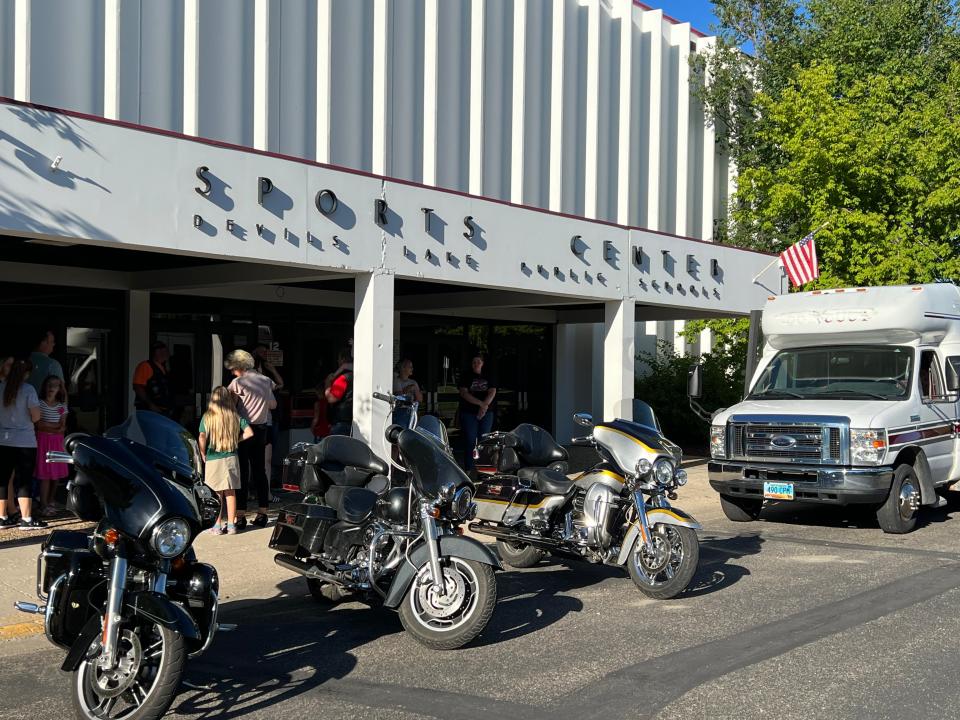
(52, 413)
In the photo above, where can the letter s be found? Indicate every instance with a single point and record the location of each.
(202, 177)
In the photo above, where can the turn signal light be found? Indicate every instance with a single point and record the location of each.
(111, 536)
(434, 512)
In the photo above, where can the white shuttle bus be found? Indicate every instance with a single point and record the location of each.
(854, 400)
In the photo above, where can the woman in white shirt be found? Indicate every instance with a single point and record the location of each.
(19, 411)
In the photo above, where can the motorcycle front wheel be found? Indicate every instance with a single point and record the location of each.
(142, 686)
(665, 572)
(451, 619)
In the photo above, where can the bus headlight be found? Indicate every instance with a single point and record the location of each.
(867, 447)
(718, 442)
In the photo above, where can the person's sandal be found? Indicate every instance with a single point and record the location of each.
(260, 520)
(231, 529)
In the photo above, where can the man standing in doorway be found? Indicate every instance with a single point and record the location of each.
(340, 395)
(151, 382)
(43, 364)
(477, 392)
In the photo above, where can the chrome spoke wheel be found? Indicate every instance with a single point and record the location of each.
(447, 610)
(120, 691)
(661, 564)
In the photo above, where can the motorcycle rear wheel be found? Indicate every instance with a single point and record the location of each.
(445, 627)
(519, 555)
(670, 569)
(144, 683)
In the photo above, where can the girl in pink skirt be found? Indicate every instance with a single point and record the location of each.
(50, 429)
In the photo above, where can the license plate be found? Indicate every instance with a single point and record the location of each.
(778, 490)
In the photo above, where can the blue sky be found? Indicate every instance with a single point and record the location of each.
(698, 13)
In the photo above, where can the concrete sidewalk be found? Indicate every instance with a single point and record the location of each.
(243, 561)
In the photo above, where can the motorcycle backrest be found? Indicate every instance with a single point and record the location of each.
(535, 447)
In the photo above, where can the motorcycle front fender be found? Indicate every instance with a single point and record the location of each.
(655, 516)
(450, 546)
(79, 648)
(163, 611)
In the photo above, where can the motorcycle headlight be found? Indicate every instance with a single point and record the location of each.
(680, 477)
(718, 442)
(643, 467)
(462, 504)
(867, 447)
(663, 471)
(171, 537)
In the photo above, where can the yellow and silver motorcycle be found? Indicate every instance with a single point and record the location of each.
(617, 512)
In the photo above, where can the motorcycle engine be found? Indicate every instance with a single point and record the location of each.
(598, 505)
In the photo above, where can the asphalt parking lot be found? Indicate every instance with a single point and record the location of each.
(808, 612)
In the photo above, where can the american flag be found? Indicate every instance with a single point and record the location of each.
(800, 261)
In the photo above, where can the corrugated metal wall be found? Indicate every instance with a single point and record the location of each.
(579, 106)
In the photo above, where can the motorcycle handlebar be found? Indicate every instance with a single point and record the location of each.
(383, 396)
(585, 440)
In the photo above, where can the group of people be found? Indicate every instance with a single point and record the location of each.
(33, 421)
(333, 412)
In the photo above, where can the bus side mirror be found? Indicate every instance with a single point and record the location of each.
(695, 382)
(953, 374)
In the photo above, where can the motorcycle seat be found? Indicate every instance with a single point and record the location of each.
(353, 504)
(345, 460)
(546, 480)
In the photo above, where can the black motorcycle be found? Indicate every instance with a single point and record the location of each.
(366, 535)
(130, 603)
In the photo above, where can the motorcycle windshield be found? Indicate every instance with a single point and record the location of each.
(165, 439)
(433, 425)
(432, 468)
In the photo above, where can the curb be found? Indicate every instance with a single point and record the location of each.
(20, 630)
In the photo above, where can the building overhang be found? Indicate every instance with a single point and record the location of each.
(273, 220)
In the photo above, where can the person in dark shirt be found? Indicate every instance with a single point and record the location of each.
(151, 382)
(339, 395)
(478, 389)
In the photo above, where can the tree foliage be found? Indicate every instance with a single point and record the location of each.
(845, 116)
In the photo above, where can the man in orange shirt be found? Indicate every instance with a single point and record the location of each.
(151, 382)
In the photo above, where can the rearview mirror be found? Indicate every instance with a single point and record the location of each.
(582, 418)
(695, 382)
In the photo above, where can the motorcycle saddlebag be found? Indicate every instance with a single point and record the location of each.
(302, 526)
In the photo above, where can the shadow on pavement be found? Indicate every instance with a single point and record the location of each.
(715, 571)
(282, 648)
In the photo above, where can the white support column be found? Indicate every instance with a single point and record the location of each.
(191, 67)
(21, 50)
(653, 24)
(556, 109)
(431, 31)
(519, 100)
(679, 343)
(381, 97)
(475, 177)
(625, 8)
(706, 340)
(111, 59)
(138, 337)
(707, 190)
(261, 74)
(592, 112)
(619, 355)
(680, 37)
(372, 356)
(323, 80)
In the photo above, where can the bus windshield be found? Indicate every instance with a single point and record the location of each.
(859, 372)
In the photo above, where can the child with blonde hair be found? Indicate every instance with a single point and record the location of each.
(221, 430)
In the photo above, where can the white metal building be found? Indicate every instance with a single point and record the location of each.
(534, 160)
